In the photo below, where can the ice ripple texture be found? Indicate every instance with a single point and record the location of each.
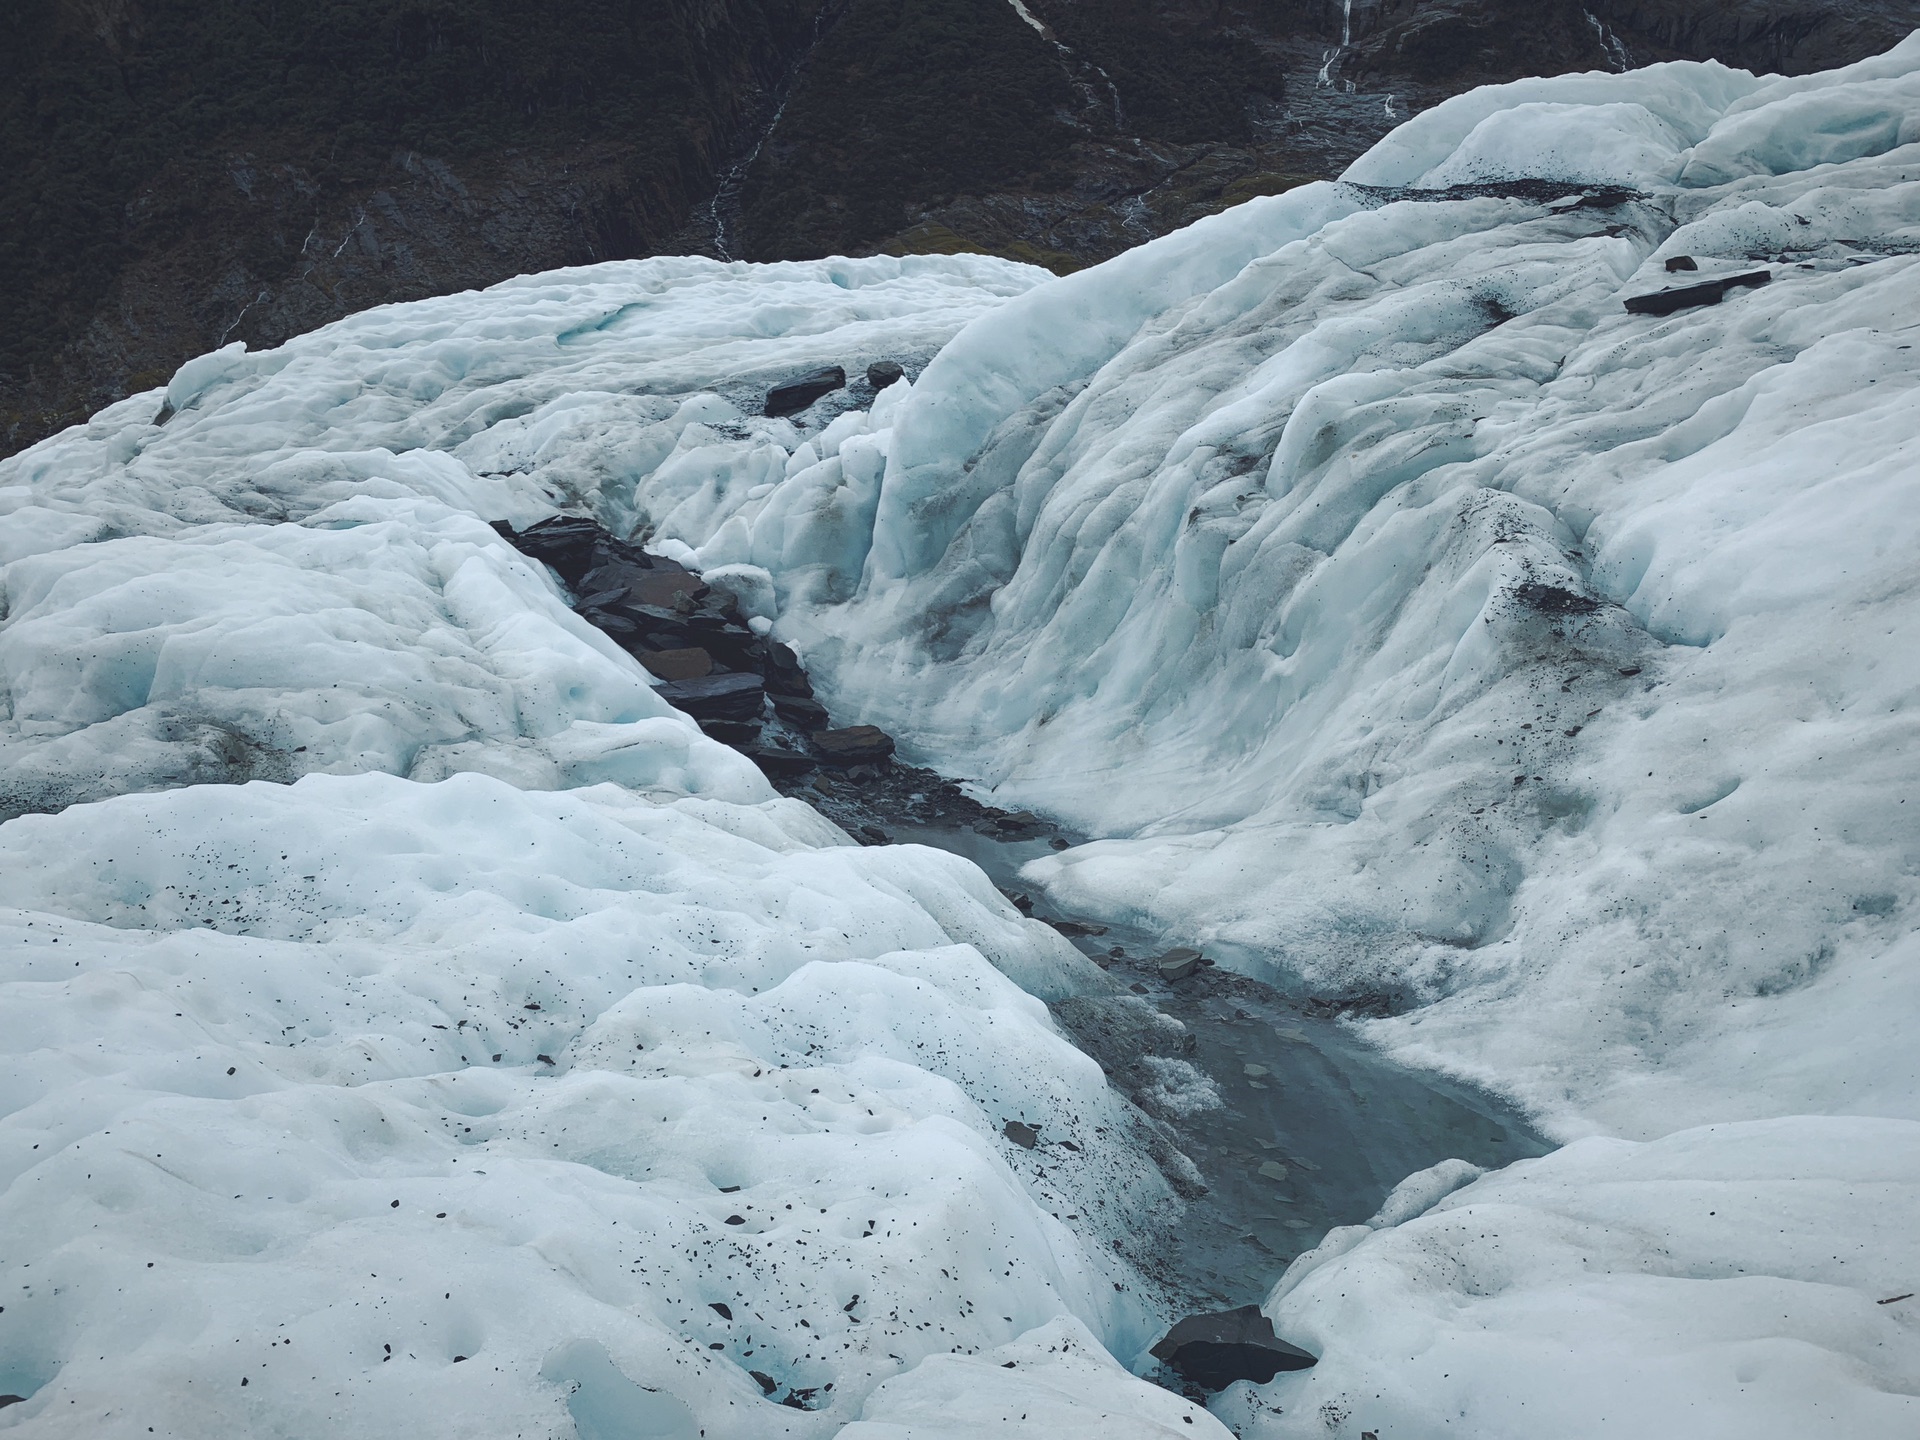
(1385, 596)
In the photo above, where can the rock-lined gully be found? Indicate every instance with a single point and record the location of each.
(1272, 1122)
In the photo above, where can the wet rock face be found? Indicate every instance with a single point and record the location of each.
(1447, 43)
(1213, 1351)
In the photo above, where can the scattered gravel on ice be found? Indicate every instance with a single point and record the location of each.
(1390, 599)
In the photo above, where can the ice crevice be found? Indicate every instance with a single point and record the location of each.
(1396, 611)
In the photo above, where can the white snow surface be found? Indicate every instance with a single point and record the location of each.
(447, 1089)
(1401, 613)
(1724, 1282)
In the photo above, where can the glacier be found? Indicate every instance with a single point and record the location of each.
(1397, 612)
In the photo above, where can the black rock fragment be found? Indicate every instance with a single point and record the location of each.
(693, 638)
(1022, 1134)
(1215, 1350)
(721, 1308)
(775, 762)
(796, 395)
(765, 1381)
(800, 710)
(1707, 292)
(1178, 963)
(784, 672)
(737, 733)
(1681, 262)
(571, 545)
(883, 373)
(1073, 929)
(855, 745)
(682, 663)
(716, 697)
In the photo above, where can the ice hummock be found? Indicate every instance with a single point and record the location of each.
(1393, 601)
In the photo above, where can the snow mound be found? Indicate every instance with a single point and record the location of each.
(1064, 1387)
(279, 568)
(589, 1087)
(1733, 1275)
(482, 1105)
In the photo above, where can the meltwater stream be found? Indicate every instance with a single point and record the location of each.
(1273, 1124)
(1312, 1129)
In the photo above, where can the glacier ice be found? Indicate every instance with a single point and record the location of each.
(478, 1099)
(1730, 1274)
(1399, 613)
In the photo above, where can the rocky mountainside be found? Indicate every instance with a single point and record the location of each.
(176, 175)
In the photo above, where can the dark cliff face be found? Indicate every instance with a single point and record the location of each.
(1092, 125)
(1106, 122)
(1787, 37)
(179, 173)
(176, 173)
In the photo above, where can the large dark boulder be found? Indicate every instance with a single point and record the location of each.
(1215, 1350)
(855, 745)
(796, 395)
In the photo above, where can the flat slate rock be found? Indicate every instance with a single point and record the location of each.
(628, 584)
(1707, 292)
(1022, 1134)
(777, 762)
(1178, 963)
(716, 697)
(799, 710)
(1217, 1349)
(689, 663)
(796, 395)
(855, 745)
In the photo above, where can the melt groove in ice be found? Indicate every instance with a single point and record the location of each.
(1388, 598)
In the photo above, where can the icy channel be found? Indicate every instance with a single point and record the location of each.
(1382, 592)
(1292, 1126)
